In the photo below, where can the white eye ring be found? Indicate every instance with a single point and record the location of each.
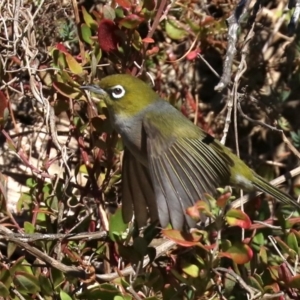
(117, 91)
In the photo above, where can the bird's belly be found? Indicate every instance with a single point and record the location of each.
(131, 132)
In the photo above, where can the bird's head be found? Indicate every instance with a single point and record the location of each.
(123, 94)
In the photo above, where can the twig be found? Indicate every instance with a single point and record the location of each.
(69, 270)
(295, 17)
(160, 250)
(208, 65)
(17, 293)
(284, 138)
(233, 26)
(274, 242)
(133, 293)
(233, 98)
(253, 292)
(33, 237)
(272, 296)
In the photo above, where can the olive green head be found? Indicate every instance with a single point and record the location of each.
(124, 94)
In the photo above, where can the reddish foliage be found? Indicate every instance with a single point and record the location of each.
(107, 36)
(61, 47)
(124, 3)
(3, 109)
(193, 54)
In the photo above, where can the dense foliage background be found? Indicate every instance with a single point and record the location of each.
(232, 69)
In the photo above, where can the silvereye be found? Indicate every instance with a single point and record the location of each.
(169, 163)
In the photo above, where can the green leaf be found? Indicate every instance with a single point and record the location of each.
(240, 253)
(254, 283)
(73, 65)
(116, 225)
(5, 276)
(136, 40)
(11, 247)
(108, 12)
(263, 253)
(65, 77)
(58, 59)
(258, 241)
(190, 269)
(284, 95)
(174, 31)
(58, 278)
(45, 285)
(284, 124)
(31, 183)
(28, 227)
(229, 285)
(131, 21)
(119, 12)
(26, 283)
(4, 292)
(64, 296)
(16, 265)
(274, 272)
(68, 91)
(86, 34)
(89, 21)
(104, 291)
(292, 242)
(285, 248)
(95, 58)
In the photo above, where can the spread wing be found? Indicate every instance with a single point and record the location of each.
(183, 169)
(137, 191)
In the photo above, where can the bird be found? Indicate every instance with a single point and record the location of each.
(169, 163)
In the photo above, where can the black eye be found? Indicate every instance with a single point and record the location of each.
(117, 92)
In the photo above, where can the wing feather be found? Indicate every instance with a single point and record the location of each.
(137, 191)
(162, 207)
(183, 171)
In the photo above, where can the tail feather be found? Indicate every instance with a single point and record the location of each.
(264, 186)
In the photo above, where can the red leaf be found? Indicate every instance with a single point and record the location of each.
(61, 48)
(272, 288)
(284, 273)
(239, 253)
(193, 212)
(148, 40)
(4, 112)
(208, 20)
(193, 54)
(149, 4)
(236, 217)
(152, 51)
(124, 3)
(182, 239)
(222, 200)
(132, 21)
(107, 36)
(294, 282)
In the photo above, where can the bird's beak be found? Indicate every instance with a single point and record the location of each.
(94, 89)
